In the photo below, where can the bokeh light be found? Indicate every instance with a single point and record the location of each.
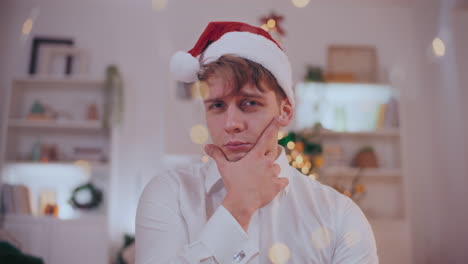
(199, 134)
(299, 159)
(294, 153)
(205, 158)
(271, 23)
(27, 26)
(321, 237)
(319, 161)
(281, 135)
(84, 165)
(438, 47)
(158, 5)
(279, 253)
(300, 3)
(313, 176)
(351, 238)
(199, 90)
(291, 145)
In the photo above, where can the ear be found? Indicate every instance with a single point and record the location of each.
(286, 113)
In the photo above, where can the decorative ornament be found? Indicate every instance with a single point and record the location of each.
(92, 113)
(86, 196)
(365, 158)
(356, 190)
(304, 153)
(272, 23)
(37, 112)
(314, 74)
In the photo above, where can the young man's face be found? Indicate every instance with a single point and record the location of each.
(236, 121)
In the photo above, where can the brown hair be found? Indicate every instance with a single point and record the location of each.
(237, 72)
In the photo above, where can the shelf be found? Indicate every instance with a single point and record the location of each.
(53, 164)
(377, 174)
(90, 218)
(52, 124)
(388, 132)
(57, 82)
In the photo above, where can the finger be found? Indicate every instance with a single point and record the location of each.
(271, 155)
(276, 169)
(269, 134)
(282, 183)
(215, 153)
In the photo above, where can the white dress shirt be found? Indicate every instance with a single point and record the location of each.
(180, 219)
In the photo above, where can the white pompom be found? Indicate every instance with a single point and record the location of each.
(184, 67)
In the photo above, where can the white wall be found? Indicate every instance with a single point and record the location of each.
(3, 65)
(435, 127)
(461, 40)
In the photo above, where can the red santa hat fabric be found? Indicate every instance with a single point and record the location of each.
(236, 38)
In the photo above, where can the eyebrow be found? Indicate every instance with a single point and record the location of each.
(251, 95)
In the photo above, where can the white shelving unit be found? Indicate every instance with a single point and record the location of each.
(69, 97)
(348, 114)
(370, 174)
(379, 133)
(70, 82)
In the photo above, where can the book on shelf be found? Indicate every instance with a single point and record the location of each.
(15, 199)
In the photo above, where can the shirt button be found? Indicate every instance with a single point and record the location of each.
(239, 256)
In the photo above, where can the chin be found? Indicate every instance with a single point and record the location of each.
(235, 156)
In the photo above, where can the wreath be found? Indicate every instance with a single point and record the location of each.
(86, 196)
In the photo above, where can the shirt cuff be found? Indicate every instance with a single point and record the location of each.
(227, 240)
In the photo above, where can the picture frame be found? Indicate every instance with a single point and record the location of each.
(56, 58)
(39, 42)
(353, 62)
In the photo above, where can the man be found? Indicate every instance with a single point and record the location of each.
(247, 205)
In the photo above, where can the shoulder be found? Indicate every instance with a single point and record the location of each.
(172, 181)
(323, 201)
(314, 190)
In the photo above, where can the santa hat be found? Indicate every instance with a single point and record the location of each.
(236, 38)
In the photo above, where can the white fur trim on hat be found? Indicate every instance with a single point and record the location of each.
(184, 67)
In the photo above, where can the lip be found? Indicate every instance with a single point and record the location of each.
(237, 145)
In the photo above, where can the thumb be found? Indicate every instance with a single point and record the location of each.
(215, 153)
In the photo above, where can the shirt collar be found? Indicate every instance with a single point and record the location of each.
(213, 178)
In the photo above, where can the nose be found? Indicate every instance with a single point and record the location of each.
(234, 122)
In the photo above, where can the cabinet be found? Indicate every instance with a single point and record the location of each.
(61, 241)
(351, 118)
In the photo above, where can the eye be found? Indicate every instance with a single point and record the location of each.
(250, 103)
(216, 105)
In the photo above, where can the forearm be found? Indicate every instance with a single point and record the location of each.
(162, 239)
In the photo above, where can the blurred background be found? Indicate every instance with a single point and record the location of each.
(89, 114)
